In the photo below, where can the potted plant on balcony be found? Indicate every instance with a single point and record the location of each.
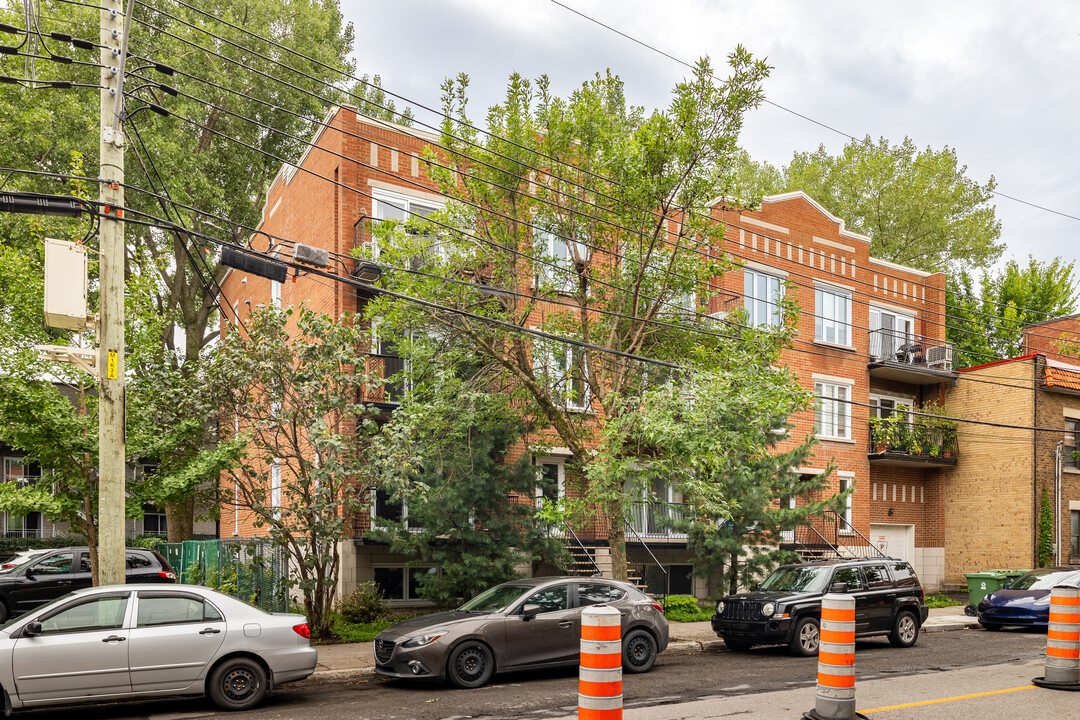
(879, 434)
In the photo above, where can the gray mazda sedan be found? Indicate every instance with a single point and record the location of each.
(145, 641)
(519, 625)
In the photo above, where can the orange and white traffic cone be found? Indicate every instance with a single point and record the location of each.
(600, 675)
(1062, 640)
(836, 661)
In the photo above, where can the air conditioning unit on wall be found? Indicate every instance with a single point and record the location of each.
(939, 357)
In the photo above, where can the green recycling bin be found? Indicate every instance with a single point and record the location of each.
(1010, 575)
(981, 584)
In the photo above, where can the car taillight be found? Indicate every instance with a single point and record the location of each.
(658, 606)
(302, 630)
(167, 575)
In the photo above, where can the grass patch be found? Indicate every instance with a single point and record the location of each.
(941, 600)
(347, 632)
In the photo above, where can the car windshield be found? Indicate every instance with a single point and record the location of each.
(495, 599)
(797, 579)
(1044, 580)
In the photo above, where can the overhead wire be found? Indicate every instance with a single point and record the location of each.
(778, 106)
(205, 31)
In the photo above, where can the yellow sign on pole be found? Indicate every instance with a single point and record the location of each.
(111, 373)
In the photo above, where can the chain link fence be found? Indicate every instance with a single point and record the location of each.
(253, 570)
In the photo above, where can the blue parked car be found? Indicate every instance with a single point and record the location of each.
(1026, 600)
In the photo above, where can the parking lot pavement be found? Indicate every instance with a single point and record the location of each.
(340, 663)
(989, 692)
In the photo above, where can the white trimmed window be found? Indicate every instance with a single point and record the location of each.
(832, 315)
(392, 206)
(275, 293)
(762, 295)
(845, 484)
(832, 411)
(275, 490)
(563, 368)
(564, 256)
(1072, 429)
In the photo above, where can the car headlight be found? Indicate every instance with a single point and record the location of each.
(720, 608)
(425, 639)
(767, 609)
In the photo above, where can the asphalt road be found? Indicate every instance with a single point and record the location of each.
(676, 678)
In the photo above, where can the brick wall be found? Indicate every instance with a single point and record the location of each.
(988, 497)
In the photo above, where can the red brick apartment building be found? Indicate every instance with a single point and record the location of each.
(870, 340)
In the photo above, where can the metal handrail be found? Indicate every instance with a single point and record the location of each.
(599, 572)
(851, 528)
(641, 571)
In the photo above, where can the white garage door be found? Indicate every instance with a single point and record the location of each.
(897, 541)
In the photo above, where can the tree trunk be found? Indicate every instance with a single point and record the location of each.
(91, 537)
(617, 543)
(180, 520)
(733, 574)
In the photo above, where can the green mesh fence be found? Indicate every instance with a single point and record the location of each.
(252, 570)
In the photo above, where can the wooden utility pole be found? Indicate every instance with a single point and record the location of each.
(112, 465)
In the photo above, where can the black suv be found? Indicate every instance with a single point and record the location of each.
(786, 608)
(58, 572)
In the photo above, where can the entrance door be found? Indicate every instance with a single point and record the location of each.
(895, 541)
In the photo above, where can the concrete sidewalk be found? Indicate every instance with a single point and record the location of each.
(345, 661)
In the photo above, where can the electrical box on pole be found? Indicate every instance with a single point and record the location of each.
(65, 284)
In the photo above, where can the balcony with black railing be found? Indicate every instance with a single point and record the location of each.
(388, 381)
(928, 441)
(909, 358)
(656, 520)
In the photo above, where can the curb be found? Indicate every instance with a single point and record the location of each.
(333, 677)
(678, 647)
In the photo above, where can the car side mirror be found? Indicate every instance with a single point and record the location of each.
(1008, 585)
(32, 628)
(29, 575)
(530, 611)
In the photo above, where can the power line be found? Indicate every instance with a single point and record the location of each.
(311, 77)
(847, 135)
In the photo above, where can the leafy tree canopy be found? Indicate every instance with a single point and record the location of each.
(919, 207)
(986, 316)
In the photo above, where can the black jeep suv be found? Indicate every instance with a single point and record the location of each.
(786, 608)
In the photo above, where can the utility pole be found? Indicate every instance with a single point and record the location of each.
(112, 465)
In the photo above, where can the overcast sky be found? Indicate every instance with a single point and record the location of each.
(997, 81)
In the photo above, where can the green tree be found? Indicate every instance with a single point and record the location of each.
(986, 317)
(197, 167)
(291, 385)
(444, 455)
(1045, 549)
(728, 447)
(918, 207)
(579, 217)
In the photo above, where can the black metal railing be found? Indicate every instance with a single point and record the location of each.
(648, 568)
(584, 562)
(830, 535)
(654, 519)
(391, 370)
(918, 439)
(904, 348)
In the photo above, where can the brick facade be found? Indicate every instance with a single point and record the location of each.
(791, 237)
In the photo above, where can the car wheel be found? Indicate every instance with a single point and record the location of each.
(238, 684)
(807, 637)
(638, 652)
(738, 645)
(470, 665)
(905, 630)
(992, 627)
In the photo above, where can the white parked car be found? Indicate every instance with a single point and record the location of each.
(145, 641)
(23, 556)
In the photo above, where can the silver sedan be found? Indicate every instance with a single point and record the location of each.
(133, 641)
